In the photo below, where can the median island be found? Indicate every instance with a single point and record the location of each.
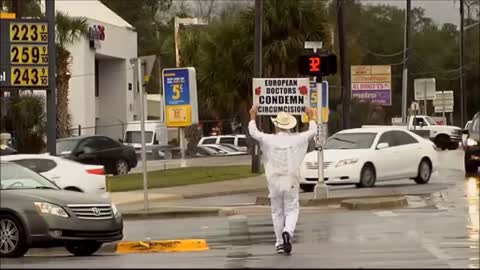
(178, 177)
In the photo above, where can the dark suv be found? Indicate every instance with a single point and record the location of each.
(115, 157)
(471, 145)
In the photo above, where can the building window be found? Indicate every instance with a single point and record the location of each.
(96, 78)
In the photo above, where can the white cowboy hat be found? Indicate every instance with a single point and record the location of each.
(284, 121)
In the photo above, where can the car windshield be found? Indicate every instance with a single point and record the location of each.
(350, 141)
(65, 147)
(136, 136)
(13, 176)
(430, 121)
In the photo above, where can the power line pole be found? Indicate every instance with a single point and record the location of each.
(406, 48)
(257, 71)
(345, 74)
(462, 96)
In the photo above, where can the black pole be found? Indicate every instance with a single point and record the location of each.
(51, 92)
(257, 71)
(344, 65)
(462, 94)
(406, 51)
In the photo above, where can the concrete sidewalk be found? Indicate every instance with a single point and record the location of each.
(237, 186)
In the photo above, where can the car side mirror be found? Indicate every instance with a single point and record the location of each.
(381, 146)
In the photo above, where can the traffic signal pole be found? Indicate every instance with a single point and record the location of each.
(321, 189)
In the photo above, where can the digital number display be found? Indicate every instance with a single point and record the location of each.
(28, 32)
(314, 63)
(29, 76)
(29, 54)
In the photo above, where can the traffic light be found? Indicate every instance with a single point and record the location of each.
(317, 65)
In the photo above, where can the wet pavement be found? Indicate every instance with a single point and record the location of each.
(444, 236)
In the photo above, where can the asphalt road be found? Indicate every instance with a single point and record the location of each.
(443, 236)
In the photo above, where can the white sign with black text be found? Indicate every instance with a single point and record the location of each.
(274, 95)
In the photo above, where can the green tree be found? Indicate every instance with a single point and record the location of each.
(28, 110)
(68, 31)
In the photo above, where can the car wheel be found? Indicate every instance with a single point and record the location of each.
(13, 242)
(424, 172)
(368, 176)
(442, 141)
(121, 167)
(307, 187)
(83, 248)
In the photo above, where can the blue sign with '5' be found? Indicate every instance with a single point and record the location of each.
(313, 94)
(176, 85)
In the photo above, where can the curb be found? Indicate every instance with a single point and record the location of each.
(375, 203)
(332, 201)
(171, 197)
(222, 193)
(179, 213)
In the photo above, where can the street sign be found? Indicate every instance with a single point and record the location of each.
(372, 84)
(180, 91)
(24, 54)
(444, 101)
(274, 95)
(425, 89)
(313, 102)
(440, 109)
(415, 106)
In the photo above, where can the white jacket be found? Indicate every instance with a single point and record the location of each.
(282, 154)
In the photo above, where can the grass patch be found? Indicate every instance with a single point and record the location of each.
(178, 177)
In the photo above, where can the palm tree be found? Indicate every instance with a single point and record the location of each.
(68, 31)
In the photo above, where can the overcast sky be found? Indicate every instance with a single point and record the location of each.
(441, 11)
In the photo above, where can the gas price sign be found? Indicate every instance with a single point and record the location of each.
(24, 54)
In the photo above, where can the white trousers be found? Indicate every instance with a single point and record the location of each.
(285, 210)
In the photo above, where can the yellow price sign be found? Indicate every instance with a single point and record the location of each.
(179, 115)
(28, 32)
(29, 54)
(29, 76)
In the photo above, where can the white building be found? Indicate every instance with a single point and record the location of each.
(103, 93)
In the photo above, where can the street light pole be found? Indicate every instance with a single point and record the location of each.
(257, 71)
(462, 97)
(406, 48)
(177, 22)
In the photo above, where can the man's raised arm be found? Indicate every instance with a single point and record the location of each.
(252, 125)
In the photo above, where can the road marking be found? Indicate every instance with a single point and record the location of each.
(186, 245)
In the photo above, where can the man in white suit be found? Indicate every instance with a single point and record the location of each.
(283, 154)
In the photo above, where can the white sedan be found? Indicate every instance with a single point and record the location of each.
(66, 174)
(364, 156)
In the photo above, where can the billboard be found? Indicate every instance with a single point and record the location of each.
(372, 84)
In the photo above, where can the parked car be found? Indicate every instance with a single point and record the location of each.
(364, 156)
(444, 137)
(234, 148)
(67, 174)
(116, 158)
(471, 145)
(237, 140)
(7, 150)
(156, 139)
(224, 150)
(35, 213)
(204, 151)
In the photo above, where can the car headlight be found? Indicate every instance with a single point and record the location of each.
(471, 142)
(346, 162)
(114, 209)
(52, 209)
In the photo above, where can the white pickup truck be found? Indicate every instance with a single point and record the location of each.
(442, 135)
